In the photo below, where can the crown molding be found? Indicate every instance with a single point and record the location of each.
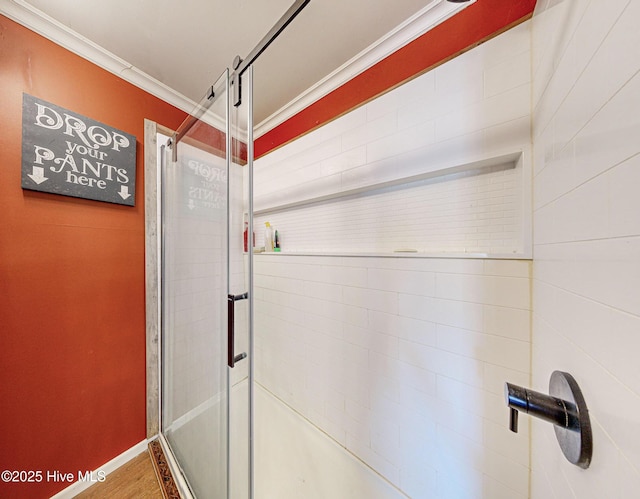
(432, 15)
(39, 22)
(417, 25)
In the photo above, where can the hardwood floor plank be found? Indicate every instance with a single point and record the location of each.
(136, 479)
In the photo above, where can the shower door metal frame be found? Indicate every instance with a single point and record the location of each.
(242, 69)
(193, 118)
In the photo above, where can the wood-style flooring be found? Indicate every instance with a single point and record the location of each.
(136, 479)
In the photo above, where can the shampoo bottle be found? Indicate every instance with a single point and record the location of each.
(268, 237)
(246, 233)
(276, 241)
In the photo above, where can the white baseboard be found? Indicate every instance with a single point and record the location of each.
(104, 470)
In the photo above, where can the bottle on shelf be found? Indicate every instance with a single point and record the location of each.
(268, 237)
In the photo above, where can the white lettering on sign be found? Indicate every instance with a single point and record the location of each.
(97, 169)
(94, 136)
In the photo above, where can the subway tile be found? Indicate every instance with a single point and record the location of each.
(604, 471)
(506, 291)
(505, 352)
(415, 113)
(508, 322)
(417, 307)
(382, 386)
(457, 367)
(419, 283)
(459, 74)
(507, 268)
(418, 481)
(508, 472)
(508, 74)
(460, 451)
(368, 132)
(345, 275)
(420, 379)
(417, 433)
(501, 108)
(455, 479)
(371, 299)
(604, 75)
(324, 291)
(550, 482)
(557, 179)
(511, 135)
(385, 439)
(356, 354)
(403, 327)
(325, 325)
(464, 397)
(401, 142)
(585, 323)
(460, 314)
(383, 107)
(589, 209)
(369, 174)
(356, 335)
(514, 42)
(595, 22)
(433, 104)
(503, 441)
(415, 89)
(459, 420)
(624, 202)
(544, 32)
(381, 465)
(358, 429)
(384, 365)
(629, 478)
(606, 271)
(355, 316)
(344, 161)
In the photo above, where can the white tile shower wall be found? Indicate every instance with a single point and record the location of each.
(402, 361)
(586, 287)
(474, 107)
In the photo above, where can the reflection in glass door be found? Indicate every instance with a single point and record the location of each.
(195, 276)
(207, 379)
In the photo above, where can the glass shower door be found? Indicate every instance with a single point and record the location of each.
(195, 285)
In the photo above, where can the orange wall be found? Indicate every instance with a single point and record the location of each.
(72, 320)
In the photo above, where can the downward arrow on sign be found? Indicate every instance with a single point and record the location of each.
(124, 192)
(38, 175)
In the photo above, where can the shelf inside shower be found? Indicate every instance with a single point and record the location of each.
(476, 210)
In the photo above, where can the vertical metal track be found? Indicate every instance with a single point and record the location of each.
(161, 287)
(250, 270)
(228, 158)
(273, 33)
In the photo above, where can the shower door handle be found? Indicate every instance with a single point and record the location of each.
(231, 357)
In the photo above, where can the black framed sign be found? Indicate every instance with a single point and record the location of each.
(72, 155)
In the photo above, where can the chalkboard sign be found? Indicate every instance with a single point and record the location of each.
(69, 154)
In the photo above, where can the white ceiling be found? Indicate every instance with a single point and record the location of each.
(187, 44)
